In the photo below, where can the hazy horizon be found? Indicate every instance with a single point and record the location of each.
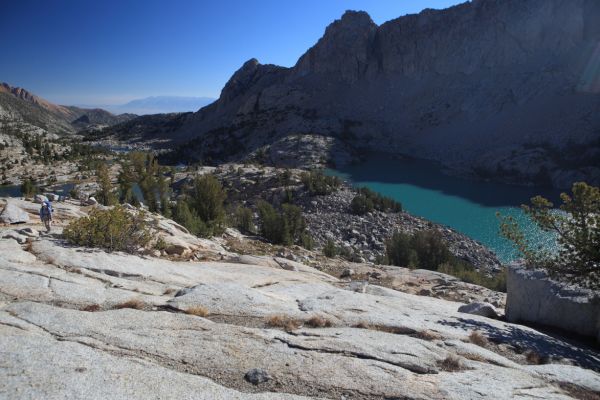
(114, 52)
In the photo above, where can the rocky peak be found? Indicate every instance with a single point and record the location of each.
(343, 50)
(240, 80)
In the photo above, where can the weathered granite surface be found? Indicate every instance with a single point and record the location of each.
(533, 297)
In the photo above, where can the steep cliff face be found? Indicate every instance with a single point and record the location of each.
(501, 89)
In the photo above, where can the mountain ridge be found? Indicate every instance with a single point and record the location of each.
(491, 89)
(18, 105)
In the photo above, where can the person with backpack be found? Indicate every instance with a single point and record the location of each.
(46, 214)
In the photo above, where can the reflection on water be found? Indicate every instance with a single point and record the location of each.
(467, 206)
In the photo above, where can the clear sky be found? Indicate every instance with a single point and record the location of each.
(111, 51)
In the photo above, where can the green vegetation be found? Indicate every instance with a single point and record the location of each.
(319, 184)
(367, 200)
(285, 227)
(208, 198)
(28, 187)
(467, 273)
(143, 170)
(105, 194)
(190, 219)
(428, 250)
(577, 229)
(115, 229)
(202, 210)
(330, 250)
(243, 220)
(423, 249)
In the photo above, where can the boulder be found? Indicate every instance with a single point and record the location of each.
(177, 249)
(13, 214)
(483, 309)
(40, 198)
(91, 201)
(535, 298)
(347, 273)
(52, 196)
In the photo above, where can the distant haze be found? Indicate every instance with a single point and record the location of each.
(160, 104)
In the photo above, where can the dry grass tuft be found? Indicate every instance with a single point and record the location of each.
(198, 311)
(28, 246)
(397, 330)
(475, 357)
(133, 303)
(427, 335)
(578, 392)
(318, 321)
(535, 358)
(91, 308)
(478, 338)
(451, 363)
(281, 321)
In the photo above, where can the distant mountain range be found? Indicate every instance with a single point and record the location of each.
(161, 104)
(21, 107)
(498, 89)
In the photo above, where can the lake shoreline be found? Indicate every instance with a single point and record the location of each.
(468, 206)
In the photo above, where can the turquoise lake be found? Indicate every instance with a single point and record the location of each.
(468, 206)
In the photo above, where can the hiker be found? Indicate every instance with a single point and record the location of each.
(46, 214)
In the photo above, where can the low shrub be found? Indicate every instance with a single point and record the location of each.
(367, 200)
(243, 219)
(399, 250)
(329, 250)
(428, 250)
(28, 188)
(361, 205)
(467, 273)
(114, 229)
(307, 241)
(319, 184)
(190, 219)
(283, 227)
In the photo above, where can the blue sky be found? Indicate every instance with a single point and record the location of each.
(109, 52)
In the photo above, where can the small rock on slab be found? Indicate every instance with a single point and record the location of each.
(256, 376)
(482, 309)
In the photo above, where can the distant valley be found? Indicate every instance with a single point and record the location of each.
(161, 104)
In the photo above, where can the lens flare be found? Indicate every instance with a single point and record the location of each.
(590, 81)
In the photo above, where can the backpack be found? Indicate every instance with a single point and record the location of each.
(46, 210)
